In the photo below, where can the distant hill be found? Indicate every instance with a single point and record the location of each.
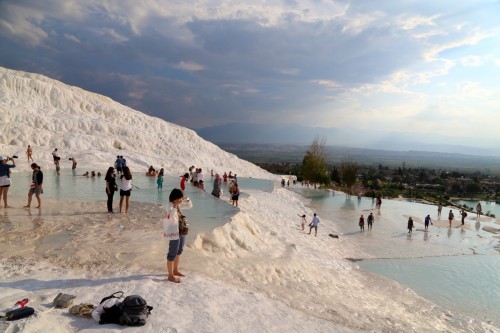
(278, 134)
(259, 153)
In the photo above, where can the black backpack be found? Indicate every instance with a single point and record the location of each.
(112, 315)
(134, 311)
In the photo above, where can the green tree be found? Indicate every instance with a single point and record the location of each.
(349, 174)
(314, 163)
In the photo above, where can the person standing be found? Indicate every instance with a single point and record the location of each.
(370, 221)
(126, 188)
(450, 217)
(479, 209)
(5, 178)
(463, 214)
(74, 162)
(439, 210)
(111, 187)
(176, 242)
(159, 180)
(55, 156)
(314, 224)
(361, 223)
(29, 153)
(36, 185)
(118, 164)
(183, 181)
(216, 192)
(427, 221)
(410, 225)
(235, 194)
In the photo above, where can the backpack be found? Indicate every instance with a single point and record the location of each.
(134, 311)
(112, 314)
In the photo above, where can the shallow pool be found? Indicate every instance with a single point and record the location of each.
(208, 212)
(469, 284)
(440, 264)
(488, 207)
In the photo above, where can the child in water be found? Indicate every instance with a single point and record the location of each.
(159, 180)
(410, 225)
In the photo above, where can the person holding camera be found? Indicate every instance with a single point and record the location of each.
(5, 178)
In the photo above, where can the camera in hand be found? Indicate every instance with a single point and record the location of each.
(14, 156)
(71, 159)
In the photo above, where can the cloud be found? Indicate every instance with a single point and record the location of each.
(211, 62)
(72, 38)
(472, 61)
(189, 66)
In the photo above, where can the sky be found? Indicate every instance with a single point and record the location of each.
(421, 68)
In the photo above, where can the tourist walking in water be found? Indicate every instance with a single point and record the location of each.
(55, 156)
(235, 194)
(176, 240)
(74, 162)
(370, 221)
(216, 192)
(36, 186)
(5, 178)
(183, 181)
(314, 224)
(463, 214)
(379, 202)
(479, 209)
(450, 217)
(111, 187)
(439, 210)
(361, 223)
(159, 180)
(29, 153)
(126, 188)
(427, 221)
(410, 225)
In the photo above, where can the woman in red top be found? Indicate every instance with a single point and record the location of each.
(183, 181)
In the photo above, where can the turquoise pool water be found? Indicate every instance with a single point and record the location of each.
(207, 213)
(469, 284)
(439, 264)
(487, 206)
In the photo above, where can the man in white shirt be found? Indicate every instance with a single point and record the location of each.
(314, 224)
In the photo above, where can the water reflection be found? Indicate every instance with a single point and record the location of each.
(477, 225)
(348, 204)
(426, 236)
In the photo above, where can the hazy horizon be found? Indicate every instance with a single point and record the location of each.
(385, 72)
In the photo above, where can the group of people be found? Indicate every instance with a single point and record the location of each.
(36, 186)
(125, 179)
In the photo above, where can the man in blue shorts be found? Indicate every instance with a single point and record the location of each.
(427, 221)
(370, 221)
